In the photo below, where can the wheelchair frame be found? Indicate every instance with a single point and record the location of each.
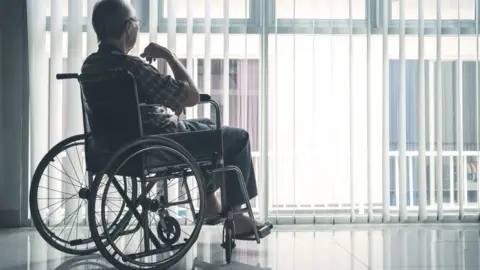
(163, 141)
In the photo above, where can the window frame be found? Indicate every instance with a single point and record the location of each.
(316, 26)
(448, 27)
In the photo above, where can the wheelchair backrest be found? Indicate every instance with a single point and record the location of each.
(111, 115)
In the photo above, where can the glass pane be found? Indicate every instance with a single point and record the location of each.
(449, 73)
(238, 9)
(450, 9)
(393, 181)
(448, 179)
(413, 194)
(319, 9)
(243, 94)
(394, 69)
(471, 173)
(469, 106)
(244, 98)
(431, 181)
(411, 85)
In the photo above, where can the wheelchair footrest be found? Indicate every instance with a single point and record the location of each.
(77, 242)
(263, 231)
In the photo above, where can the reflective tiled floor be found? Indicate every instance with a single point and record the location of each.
(396, 247)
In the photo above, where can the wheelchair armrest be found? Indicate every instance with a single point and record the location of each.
(206, 98)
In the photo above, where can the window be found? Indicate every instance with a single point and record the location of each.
(238, 9)
(449, 8)
(311, 110)
(319, 9)
(449, 86)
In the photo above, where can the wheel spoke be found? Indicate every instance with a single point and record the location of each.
(67, 175)
(61, 180)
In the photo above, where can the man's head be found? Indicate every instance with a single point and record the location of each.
(114, 21)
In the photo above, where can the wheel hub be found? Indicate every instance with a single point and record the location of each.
(154, 205)
(83, 193)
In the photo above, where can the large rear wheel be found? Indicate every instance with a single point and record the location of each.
(163, 226)
(58, 198)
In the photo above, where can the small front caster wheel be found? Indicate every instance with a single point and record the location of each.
(228, 245)
(172, 233)
(228, 237)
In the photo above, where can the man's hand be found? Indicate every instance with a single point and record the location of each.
(179, 111)
(154, 51)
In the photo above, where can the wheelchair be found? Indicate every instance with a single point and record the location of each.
(144, 224)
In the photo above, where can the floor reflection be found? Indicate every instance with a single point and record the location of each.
(442, 247)
(95, 262)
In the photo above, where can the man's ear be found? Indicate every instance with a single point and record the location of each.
(128, 27)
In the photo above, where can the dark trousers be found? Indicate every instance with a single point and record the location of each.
(236, 152)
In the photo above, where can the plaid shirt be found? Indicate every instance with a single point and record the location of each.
(152, 87)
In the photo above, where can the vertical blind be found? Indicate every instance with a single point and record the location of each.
(358, 110)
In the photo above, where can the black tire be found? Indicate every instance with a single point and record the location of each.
(228, 243)
(37, 220)
(228, 236)
(146, 143)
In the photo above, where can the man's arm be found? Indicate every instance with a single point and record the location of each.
(154, 51)
(181, 74)
(156, 88)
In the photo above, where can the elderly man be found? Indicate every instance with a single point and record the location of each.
(117, 28)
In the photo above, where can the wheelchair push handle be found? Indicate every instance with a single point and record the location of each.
(204, 98)
(67, 76)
